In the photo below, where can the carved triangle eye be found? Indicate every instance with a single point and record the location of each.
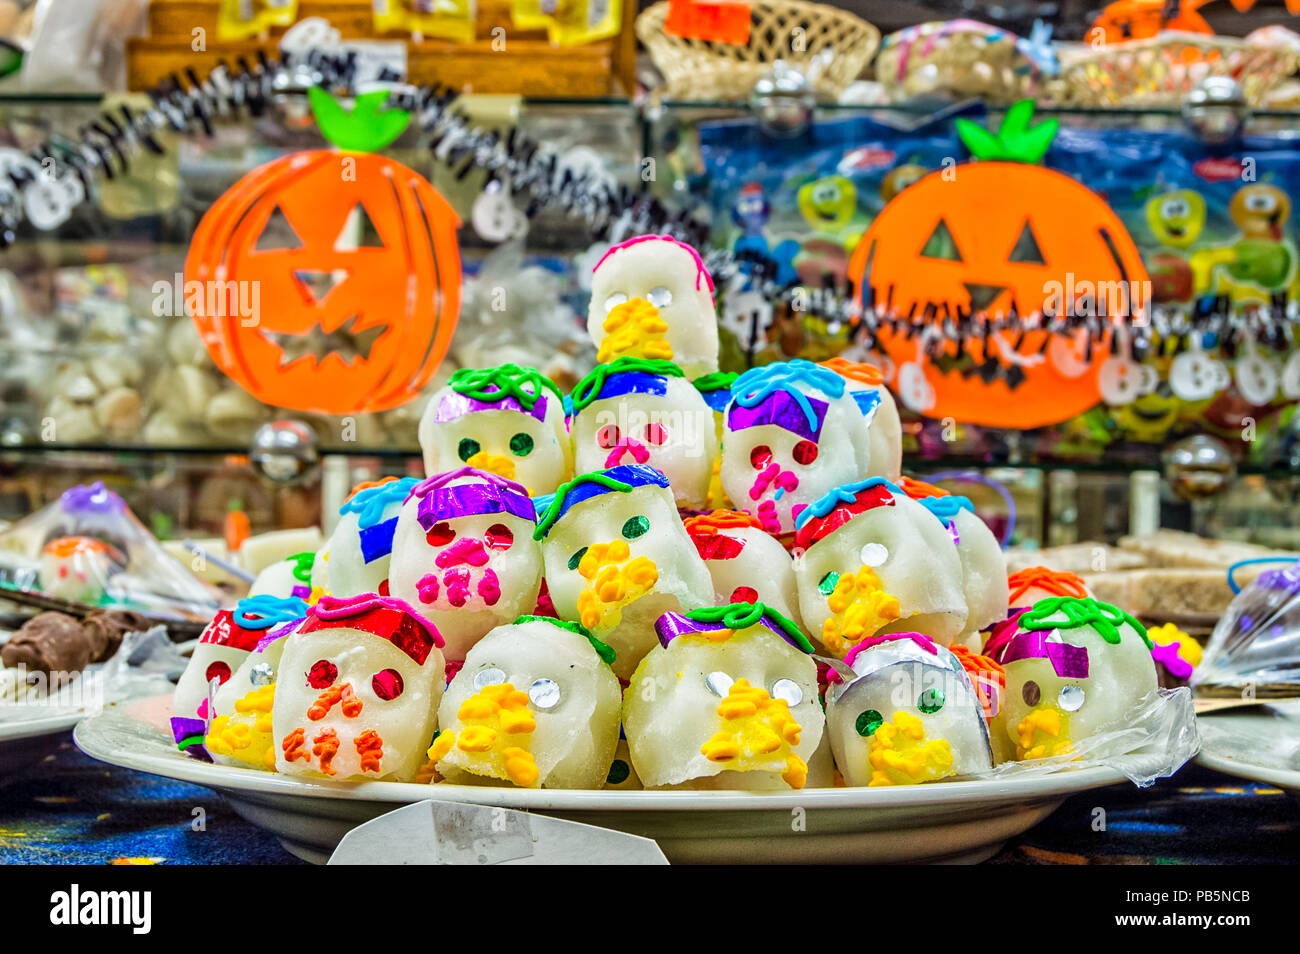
(1026, 248)
(941, 244)
(358, 231)
(277, 235)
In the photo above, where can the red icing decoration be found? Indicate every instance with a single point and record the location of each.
(820, 527)
(608, 436)
(440, 534)
(655, 434)
(224, 631)
(322, 674)
(717, 546)
(382, 616)
(760, 456)
(499, 537)
(217, 670)
(805, 452)
(744, 594)
(387, 684)
(383, 587)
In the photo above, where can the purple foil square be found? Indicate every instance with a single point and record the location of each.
(456, 405)
(781, 409)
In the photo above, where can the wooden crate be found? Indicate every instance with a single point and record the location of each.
(528, 66)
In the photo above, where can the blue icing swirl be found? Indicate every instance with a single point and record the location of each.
(757, 384)
(946, 508)
(845, 493)
(369, 504)
(269, 610)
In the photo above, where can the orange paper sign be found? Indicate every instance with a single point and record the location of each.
(722, 22)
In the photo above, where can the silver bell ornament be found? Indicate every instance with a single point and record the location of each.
(285, 452)
(782, 101)
(1198, 467)
(1216, 110)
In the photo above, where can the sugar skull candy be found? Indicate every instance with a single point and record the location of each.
(76, 568)
(792, 434)
(359, 549)
(464, 555)
(223, 646)
(635, 411)
(652, 297)
(726, 699)
(358, 690)
(746, 563)
(984, 568)
(872, 560)
(716, 391)
(617, 557)
(1032, 584)
(535, 704)
(285, 578)
(507, 420)
(901, 710)
(1074, 668)
(240, 730)
(866, 386)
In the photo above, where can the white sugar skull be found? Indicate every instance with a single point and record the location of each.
(872, 560)
(223, 646)
(1026, 587)
(507, 420)
(535, 704)
(617, 557)
(901, 710)
(358, 550)
(357, 691)
(285, 578)
(77, 568)
(984, 568)
(746, 564)
(635, 411)
(652, 297)
(1074, 668)
(726, 699)
(866, 385)
(464, 555)
(793, 433)
(257, 669)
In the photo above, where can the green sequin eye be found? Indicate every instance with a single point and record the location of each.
(468, 448)
(869, 721)
(930, 701)
(635, 527)
(577, 558)
(827, 585)
(521, 445)
(618, 773)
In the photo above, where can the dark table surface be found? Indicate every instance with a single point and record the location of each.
(70, 809)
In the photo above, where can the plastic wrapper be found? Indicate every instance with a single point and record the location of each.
(89, 547)
(1255, 648)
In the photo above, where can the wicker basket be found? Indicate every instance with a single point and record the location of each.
(703, 70)
(1162, 70)
(955, 58)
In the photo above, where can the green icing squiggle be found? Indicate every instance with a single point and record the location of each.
(506, 380)
(1102, 617)
(603, 650)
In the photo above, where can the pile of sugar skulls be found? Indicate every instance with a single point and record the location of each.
(672, 577)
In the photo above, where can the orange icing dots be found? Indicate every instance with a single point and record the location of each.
(293, 746)
(708, 524)
(370, 746)
(1049, 581)
(368, 484)
(325, 748)
(858, 371)
(918, 489)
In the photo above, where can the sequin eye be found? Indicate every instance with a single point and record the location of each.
(760, 456)
(930, 701)
(387, 684)
(1031, 693)
(498, 537)
(440, 534)
(322, 674)
(544, 694)
(788, 691)
(635, 527)
(1070, 698)
(488, 677)
(868, 721)
(718, 683)
(218, 670)
(467, 448)
(805, 452)
(659, 296)
(577, 558)
(614, 300)
(521, 445)
(744, 594)
(607, 437)
(655, 434)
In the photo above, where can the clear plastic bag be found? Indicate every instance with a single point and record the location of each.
(1255, 648)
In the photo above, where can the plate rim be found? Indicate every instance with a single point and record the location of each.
(1239, 768)
(254, 782)
(16, 730)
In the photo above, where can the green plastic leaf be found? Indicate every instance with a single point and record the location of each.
(1015, 141)
(367, 127)
(981, 143)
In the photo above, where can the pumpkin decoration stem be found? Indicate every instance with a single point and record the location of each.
(1015, 140)
(367, 127)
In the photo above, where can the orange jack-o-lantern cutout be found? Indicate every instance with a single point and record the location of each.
(304, 306)
(991, 237)
(1142, 19)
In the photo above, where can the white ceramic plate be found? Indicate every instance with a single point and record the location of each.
(1261, 744)
(948, 822)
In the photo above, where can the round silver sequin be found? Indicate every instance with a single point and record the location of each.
(788, 690)
(262, 674)
(719, 683)
(1070, 698)
(659, 296)
(488, 677)
(544, 694)
(874, 554)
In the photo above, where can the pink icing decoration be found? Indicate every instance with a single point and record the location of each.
(628, 445)
(427, 588)
(700, 270)
(1166, 654)
(925, 642)
(422, 489)
(489, 588)
(457, 583)
(464, 550)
